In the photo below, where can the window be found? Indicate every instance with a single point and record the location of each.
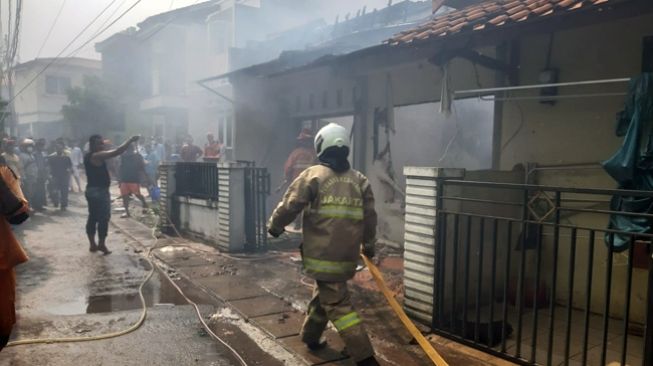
(226, 130)
(56, 84)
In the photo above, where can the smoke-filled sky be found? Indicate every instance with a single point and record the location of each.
(39, 15)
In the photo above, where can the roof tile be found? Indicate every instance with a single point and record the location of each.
(489, 14)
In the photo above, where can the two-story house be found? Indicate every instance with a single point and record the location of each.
(43, 93)
(158, 63)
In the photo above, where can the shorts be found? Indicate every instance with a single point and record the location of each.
(129, 188)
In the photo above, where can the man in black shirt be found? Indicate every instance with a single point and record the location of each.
(60, 169)
(97, 190)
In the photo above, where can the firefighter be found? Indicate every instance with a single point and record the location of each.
(302, 157)
(339, 216)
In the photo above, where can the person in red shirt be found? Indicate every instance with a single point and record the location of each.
(301, 158)
(213, 147)
(190, 152)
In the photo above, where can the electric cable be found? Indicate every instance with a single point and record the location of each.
(97, 34)
(58, 56)
(132, 328)
(143, 315)
(54, 23)
(109, 17)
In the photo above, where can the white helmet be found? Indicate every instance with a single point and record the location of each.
(329, 136)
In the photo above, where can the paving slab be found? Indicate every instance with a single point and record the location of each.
(189, 262)
(231, 288)
(261, 306)
(282, 325)
(331, 353)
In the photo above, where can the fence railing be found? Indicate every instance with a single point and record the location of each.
(197, 180)
(534, 274)
(257, 190)
(203, 180)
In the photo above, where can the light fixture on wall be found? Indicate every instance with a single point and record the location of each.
(548, 76)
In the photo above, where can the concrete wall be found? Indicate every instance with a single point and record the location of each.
(270, 111)
(583, 131)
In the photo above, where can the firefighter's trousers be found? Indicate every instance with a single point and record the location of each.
(331, 302)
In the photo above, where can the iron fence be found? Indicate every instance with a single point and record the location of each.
(532, 274)
(197, 180)
(257, 190)
(203, 180)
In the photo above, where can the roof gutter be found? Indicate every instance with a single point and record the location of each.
(202, 83)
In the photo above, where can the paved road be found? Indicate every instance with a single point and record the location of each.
(66, 291)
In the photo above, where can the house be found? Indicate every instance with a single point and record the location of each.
(159, 62)
(38, 106)
(509, 107)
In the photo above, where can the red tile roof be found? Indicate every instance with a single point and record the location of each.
(491, 14)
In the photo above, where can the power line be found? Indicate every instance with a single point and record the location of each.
(105, 28)
(167, 23)
(47, 37)
(109, 17)
(69, 44)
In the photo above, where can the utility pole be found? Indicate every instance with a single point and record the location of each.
(8, 52)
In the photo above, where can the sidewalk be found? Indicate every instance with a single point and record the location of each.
(269, 292)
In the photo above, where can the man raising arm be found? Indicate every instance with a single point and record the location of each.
(97, 190)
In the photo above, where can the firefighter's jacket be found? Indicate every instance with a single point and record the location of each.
(299, 159)
(339, 216)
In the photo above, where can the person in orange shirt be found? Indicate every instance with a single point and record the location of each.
(13, 210)
(301, 158)
(213, 147)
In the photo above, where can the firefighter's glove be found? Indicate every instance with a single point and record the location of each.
(275, 232)
(368, 250)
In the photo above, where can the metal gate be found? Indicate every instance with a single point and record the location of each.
(257, 190)
(534, 276)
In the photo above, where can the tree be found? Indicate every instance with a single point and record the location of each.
(93, 109)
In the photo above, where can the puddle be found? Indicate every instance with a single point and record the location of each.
(157, 291)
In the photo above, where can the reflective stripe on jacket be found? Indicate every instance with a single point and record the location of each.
(339, 216)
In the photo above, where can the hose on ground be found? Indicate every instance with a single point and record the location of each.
(143, 315)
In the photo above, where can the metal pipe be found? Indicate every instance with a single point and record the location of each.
(570, 293)
(534, 187)
(588, 292)
(522, 268)
(538, 269)
(554, 276)
(648, 333)
(506, 279)
(540, 86)
(201, 83)
(495, 229)
(606, 310)
(551, 97)
(468, 240)
(479, 280)
(629, 285)
(544, 223)
(454, 275)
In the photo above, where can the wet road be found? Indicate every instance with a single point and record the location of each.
(66, 291)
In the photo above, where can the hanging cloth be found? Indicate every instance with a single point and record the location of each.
(632, 165)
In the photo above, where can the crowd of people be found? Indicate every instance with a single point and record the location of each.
(49, 170)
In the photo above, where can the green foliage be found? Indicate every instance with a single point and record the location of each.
(93, 108)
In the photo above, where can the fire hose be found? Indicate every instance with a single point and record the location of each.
(142, 317)
(432, 354)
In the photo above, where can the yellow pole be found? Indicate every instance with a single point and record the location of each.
(423, 342)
